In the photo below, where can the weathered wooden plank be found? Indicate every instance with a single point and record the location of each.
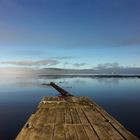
(81, 132)
(97, 124)
(81, 115)
(120, 128)
(41, 118)
(70, 132)
(72, 118)
(90, 132)
(68, 119)
(75, 117)
(60, 118)
(47, 132)
(51, 116)
(114, 135)
(59, 132)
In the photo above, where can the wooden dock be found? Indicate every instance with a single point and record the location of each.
(72, 118)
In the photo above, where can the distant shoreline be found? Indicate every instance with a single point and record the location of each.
(91, 75)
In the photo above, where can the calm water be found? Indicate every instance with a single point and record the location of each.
(19, 98)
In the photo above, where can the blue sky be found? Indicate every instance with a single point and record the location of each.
(69, 33)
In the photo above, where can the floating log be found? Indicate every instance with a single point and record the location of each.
(60, 90)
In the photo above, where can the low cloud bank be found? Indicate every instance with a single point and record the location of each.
(31, 63)
(109, 65)
(79, 64)
(26, 68)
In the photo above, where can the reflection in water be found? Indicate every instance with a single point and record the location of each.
(109, 80)
(19, 98)
(80, 81)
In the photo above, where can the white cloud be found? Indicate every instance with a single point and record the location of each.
(79, 64)
(108, 65)
(31, 62)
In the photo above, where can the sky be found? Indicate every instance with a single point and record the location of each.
(75, 34)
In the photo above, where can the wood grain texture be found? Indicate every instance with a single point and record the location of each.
(72, 118)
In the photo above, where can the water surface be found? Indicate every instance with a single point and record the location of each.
(19, 98)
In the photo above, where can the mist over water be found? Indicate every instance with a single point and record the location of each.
(19, 97)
